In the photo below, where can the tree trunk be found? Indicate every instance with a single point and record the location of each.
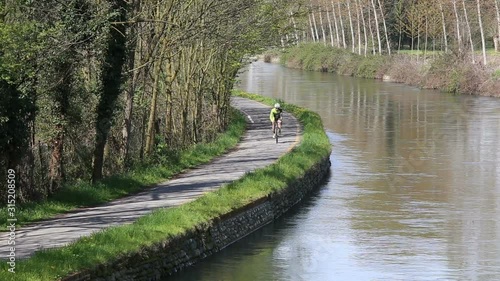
(359, 27)
(351, 26)
(469, 31)
(62, 92)
(171, 74)
(385, 28)
(56, 160)
(315, 27)
(426, 36)
(111, 78)
(312, 28)
(127, 123)
(483, 43)
(445, 36)
(342, 27)
(294, 28)
(150, 131)
(457, 20)
(377, 27)
(322, 26)
(330, 28)
(371, 31)
(132, 56)
(496, 38)
(365, 33)
(337, 33)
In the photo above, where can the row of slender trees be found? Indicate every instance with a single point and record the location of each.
(91, 88)
(381, 26)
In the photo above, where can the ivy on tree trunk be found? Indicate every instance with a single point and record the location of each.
(111, 79)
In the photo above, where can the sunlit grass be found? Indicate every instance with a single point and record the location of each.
(163, 224)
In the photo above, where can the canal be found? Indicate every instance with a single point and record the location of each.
(414, 190)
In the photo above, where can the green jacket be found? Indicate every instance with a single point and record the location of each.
(275, 114)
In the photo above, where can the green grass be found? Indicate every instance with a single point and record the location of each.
(84, 194)
(164, 224)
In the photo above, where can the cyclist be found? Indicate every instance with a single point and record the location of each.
(275, 117)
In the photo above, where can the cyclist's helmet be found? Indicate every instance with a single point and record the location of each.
(277, 105)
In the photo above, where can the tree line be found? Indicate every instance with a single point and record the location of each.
(91, 88)
(383, 26)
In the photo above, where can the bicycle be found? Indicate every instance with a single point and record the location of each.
(277, 134)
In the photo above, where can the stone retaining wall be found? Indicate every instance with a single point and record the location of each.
(163, 259)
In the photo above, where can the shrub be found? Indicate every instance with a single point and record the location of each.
(371, 66)
(456, 75)
(404, 69)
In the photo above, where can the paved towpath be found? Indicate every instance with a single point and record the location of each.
(257, 149)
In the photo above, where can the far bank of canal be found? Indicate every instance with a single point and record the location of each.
(414, 191)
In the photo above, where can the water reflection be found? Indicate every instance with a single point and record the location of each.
(414, 192)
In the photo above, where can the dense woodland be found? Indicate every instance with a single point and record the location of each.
(91, 88)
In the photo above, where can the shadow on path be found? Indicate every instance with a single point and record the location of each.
(257, 149)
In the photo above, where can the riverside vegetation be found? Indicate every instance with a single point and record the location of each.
(167, 223)
(90, 89)
(86, 194)
(447, 72)
(95, 88)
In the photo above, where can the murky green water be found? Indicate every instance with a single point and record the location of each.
(414, 192)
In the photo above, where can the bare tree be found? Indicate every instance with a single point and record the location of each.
(443, 21)
(377, 27)
(496, 38)
(385, 28)
(374, 50)
(330, 26)
(469, 32)
(351, 26)
(358, 22)
(483, 43)
(294, 27)
(337, 33)
(315, 26)
(364, 27)
(312, 28)
(322, 25)
(341, 26)
(457, 28)
(399, 15)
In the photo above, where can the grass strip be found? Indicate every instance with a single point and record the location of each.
(85, 194)
(165, 224)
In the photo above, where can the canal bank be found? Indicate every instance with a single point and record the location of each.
(446, 72)
(104, 255)
(175, 254)
(284, 190)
